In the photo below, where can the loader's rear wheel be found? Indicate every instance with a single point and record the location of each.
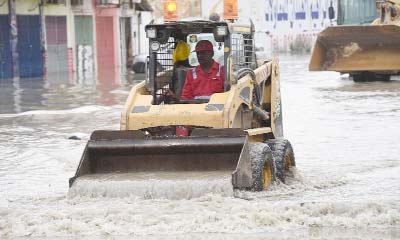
(267, 174)
(284, 157)
(262, 166)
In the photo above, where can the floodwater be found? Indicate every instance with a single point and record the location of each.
(346, 185)
(156, 184)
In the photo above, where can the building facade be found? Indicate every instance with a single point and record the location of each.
(282, 25)
(89, 37)
(46, 37)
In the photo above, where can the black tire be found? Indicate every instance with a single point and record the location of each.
(139, 67)
(370, 76)
(358, 78)
(284, 157)
(262, 166)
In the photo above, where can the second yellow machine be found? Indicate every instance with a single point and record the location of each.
(368, 52)
(237, 131)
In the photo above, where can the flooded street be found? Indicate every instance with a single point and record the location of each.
(346, 186)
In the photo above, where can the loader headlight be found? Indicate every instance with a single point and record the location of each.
(222, 30)
(151, 33)
(155, 46)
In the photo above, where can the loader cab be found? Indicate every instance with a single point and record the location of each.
(233, 48)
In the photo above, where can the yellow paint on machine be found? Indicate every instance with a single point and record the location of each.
(355, 49)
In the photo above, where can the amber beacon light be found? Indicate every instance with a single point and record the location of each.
(170, 11)
(230, 9)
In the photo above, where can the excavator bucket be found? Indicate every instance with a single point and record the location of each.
(130, 152)
(357, 48)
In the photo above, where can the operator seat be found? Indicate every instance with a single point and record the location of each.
(180, 58)
(180, 73)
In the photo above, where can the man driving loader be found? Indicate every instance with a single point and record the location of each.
(206, 78)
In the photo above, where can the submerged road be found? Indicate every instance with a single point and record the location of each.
(345, 137)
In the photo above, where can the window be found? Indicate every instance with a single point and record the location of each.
(55, 1)
(107, 2)
(76, 2)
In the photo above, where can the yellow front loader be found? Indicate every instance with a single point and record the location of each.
(367, 53)
(237, 131)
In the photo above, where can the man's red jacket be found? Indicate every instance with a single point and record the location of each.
(200, 83)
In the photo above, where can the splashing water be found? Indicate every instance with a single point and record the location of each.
(168, 185)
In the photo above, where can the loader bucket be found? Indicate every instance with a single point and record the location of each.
(121, 152)
(357, 48)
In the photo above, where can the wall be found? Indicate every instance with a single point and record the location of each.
(143, 46)
(3, 7)
(83, 10)
(284, 20)
(114, 13)
(292, 25)
(30, 7)
(62, 10)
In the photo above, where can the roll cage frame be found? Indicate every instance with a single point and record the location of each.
(238, 50)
